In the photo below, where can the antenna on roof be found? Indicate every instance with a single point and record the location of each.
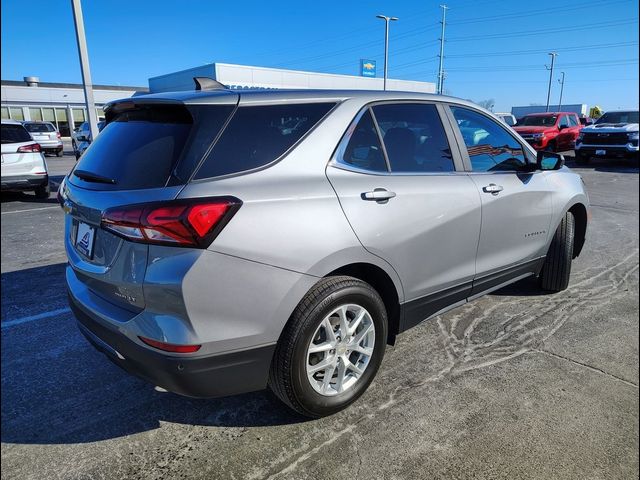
(206, 83)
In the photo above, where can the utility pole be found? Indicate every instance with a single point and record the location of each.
(553, 61)
(84, 67)
(441, 66)
(561, 81)
(386, 45)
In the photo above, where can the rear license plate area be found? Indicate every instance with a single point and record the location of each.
(85, 238)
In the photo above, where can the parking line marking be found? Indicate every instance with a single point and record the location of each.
(31, 210)
(32, 318)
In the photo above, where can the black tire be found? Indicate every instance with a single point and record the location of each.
(582, 159)
(557, 265)
(59, 153)
(287, 376)
(552, 146)
(43, 192)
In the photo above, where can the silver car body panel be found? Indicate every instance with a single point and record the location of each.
(302, 217)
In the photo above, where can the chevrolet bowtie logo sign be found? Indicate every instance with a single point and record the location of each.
(367, 68)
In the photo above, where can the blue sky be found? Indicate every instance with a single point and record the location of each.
(494, 49)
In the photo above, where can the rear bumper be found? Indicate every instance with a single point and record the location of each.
(202, 377)
(24, 182)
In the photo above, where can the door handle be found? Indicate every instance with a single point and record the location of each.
(379, 195)
(493, 189)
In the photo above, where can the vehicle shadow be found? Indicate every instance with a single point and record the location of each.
(607, 165)
(29, 197)
(527, 287)
(57, 389)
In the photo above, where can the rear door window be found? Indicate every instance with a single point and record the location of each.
(259, 135)
(12, 133)
(39, 127)
(414, 138)
(363, 150)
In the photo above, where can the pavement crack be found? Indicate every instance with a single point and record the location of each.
(586, 365)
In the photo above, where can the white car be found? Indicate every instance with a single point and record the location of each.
(23, 164)
(614, 135)
(46, 135)
(507, 118)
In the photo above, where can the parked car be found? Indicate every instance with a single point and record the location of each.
(213, 253)
(23, 165)
(82, 134)
(46, 135)
(550, 131)
(507, 118)
(614, 135)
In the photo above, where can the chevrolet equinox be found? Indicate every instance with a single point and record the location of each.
(223, 241)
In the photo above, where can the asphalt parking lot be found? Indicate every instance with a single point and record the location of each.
(517, 384)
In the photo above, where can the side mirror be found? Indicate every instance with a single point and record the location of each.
(562, 127)
(549, 161)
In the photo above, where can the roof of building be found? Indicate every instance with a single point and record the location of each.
(21, 83)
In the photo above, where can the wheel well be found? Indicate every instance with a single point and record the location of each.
(579, 212)
(382, 283)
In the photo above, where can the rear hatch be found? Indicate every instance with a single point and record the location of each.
(17, 156)
(146, 153)
(43, 133)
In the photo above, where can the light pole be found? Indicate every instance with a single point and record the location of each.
(84, 67)
(561, 90)
(386, 45)
(441, 64)
(553, 60)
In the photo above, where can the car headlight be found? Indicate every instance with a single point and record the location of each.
(538, 136)
(633, 135)
(581, 135)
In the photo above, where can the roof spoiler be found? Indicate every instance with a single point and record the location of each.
(206, 83)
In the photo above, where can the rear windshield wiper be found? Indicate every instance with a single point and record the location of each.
(93, 177)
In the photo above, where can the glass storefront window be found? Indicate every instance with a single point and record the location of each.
(16, 113)
(78, 115)
(36, 114)
(61, 114)
(48, 116)
(5, 112)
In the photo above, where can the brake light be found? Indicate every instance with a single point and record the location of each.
(170, 347)
(31, 148)
(58, 134)
(186, 223)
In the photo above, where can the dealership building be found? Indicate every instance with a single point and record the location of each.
(63, 103)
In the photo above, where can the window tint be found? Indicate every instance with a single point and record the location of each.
(14, 134)
(363, 149)
(39, 127)
(490, 146)
(138, 148)
(257, 136)
(573, 121)
(414, 138)
(564, 121)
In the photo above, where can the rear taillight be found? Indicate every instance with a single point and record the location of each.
(170, 347)
(31, 148)
(186, 223)
(58, 135)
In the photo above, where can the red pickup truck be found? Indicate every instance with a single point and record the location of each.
(555, 131)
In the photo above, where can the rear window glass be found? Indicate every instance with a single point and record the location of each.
(139, 148)
(14, 134)
(39, 127)
(259, 135)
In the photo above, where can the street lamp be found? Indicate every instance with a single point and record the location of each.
(386, 44)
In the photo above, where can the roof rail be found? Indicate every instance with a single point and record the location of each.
(206, 83)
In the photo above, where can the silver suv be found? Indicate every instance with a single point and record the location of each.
(222, 242)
